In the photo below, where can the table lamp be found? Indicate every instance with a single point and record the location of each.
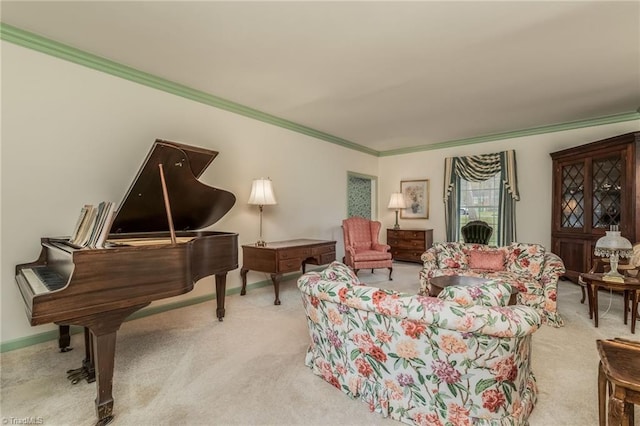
(614, 246)
(397, 202)
(262, 195)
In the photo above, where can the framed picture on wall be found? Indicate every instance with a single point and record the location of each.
(416, 196)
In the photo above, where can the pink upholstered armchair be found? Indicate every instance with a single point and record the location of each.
(361, 246)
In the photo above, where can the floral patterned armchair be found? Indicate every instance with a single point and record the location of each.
(362, 247)
(529, 267)
(461, 358)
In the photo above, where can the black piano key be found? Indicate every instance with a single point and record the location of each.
(51, 279)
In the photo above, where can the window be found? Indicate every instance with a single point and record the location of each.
(482, 187)
(480, 201)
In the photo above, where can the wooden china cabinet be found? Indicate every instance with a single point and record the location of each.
(594, 186)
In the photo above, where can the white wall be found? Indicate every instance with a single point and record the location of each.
(72, 135)
(533, 211)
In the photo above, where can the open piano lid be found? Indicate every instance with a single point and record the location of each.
(194, 205)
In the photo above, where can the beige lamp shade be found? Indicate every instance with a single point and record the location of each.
(397, 201)
(262, 193)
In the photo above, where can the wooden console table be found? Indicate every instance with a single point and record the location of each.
(280, 257)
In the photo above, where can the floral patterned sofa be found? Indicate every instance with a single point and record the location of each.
(529, 267)
(462, 358)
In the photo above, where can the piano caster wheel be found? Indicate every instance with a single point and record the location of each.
(105, 421)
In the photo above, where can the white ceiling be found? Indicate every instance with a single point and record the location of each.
(385, 75)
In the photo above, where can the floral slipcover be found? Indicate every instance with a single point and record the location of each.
(418, 359)
(529, 267)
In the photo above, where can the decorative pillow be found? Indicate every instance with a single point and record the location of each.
(525, 258)
(450, 255)
(488, 260)
(491, 293)
(338, 271)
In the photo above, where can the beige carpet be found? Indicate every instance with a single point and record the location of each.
(185, 367)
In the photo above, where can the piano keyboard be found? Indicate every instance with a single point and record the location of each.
(43, 279)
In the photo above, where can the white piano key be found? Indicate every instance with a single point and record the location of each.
(37, 286)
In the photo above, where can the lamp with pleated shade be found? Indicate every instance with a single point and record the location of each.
(397, 202)
(262, 195)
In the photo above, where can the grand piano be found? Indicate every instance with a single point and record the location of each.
(155, 249)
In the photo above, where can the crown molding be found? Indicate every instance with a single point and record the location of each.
(41, 44)
(609, 119)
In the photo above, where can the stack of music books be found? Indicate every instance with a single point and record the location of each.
(92, 226)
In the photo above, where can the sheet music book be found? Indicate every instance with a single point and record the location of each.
(92, 237)
(105, 224)
(92, 225)
(81, 219)
(86, 223)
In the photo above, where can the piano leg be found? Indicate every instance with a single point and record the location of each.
(103, 329)
(87, 371)
(221, 289)
(88, 363)
(105, 349)
(64, 338)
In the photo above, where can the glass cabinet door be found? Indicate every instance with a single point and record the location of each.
(607, 185)
(572, 192)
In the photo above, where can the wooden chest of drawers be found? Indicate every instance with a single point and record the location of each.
(409, 244)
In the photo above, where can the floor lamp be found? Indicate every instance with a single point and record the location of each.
(262, 195)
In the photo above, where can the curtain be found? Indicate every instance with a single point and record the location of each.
(477, 168)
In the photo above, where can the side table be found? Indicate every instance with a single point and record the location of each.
(619, 368)
(280, 257)
(630, 289)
